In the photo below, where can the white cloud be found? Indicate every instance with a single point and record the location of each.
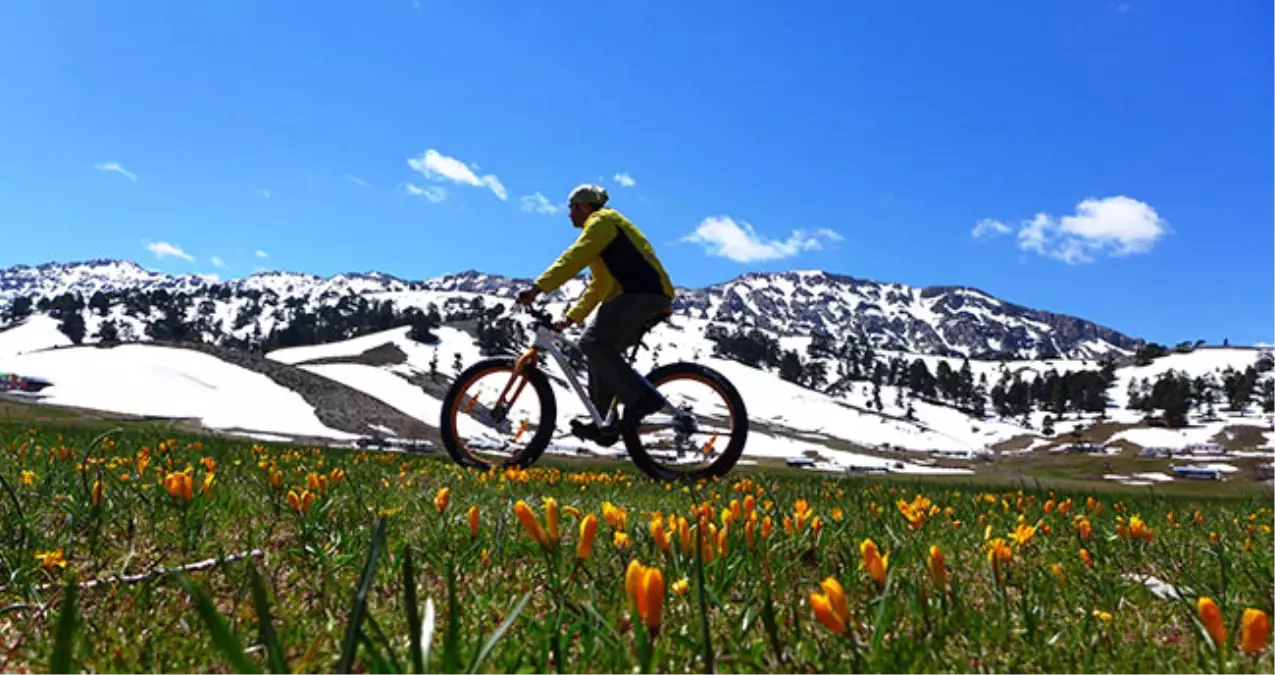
(990, 227)
(722, 236)
(357, 181)
(261, 254)
(218, 262)
(264, 193)
(1117, 226)
(115, 167)
(434, 193)
(163, 249)
(625, 180)
(538, 203)
(436, 166)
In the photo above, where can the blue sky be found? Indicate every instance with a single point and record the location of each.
(1113, 159)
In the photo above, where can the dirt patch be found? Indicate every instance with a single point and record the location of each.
(1241, 437)
(336, 405)
(1021, 442)
(388, 354)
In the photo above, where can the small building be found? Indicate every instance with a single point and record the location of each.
(1084, 448)
(803, 462)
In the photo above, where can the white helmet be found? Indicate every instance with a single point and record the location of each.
(588, 194)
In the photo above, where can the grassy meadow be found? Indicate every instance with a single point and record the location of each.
(139, 549)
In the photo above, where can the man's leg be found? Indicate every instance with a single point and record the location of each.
(617, 327)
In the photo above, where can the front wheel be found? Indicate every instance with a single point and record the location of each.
(491, 417)
(701, 436)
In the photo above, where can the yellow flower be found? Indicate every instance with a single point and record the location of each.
(28, 477)
(441, 498)
(588, 530)
(681, 586)
(1138, 529)
(658, 534)
(1083, 527)
(915, 511)
(1023, 533)
(529, 522)
(1058, 572)
(1084, 555)
(1254, 627)
(645, 589)
(179, 485)
(830, 606)
(473, 521)
(209, 464)
(621, 540)
(999, 554)
(551, 520)
(300, 502)
(938, 571)
(99, 491)
(50, 559)
(1102, 616)
(875, 563)
(1211, 617)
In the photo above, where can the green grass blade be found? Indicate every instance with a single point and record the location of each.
(427, 632)
(703, 601)
(500, 632)
(265, 623)
(451, 641)
(413, 612)
(222, 637)
(359, 608)
(64, 642)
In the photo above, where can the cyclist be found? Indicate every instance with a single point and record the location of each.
(633, 289)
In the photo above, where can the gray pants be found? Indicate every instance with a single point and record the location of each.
(618, 326)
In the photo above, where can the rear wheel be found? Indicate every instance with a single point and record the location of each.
(702, 436)
(491, 417)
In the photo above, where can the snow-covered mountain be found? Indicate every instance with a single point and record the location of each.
(938, 320)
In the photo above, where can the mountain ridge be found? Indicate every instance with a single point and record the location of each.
(951, 320)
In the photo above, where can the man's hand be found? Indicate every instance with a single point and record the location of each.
(563, 324)
(528, 296)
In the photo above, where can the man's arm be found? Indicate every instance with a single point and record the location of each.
(597, 233)
(599, 287)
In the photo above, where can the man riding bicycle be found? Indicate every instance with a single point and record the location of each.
(633, 289)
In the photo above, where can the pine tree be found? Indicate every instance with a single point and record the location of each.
(816, 374)
(108, 334)
(965, 383)
(1000, 400)
(19, 309)
(1268, 395)
(72, 325)
(790, 367)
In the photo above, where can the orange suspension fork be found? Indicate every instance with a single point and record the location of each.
(528, 357)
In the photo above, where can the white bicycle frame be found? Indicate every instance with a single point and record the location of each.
(548, 339)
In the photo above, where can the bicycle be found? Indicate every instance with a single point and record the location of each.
(466, 412)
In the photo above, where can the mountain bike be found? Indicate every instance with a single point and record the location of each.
(677, 443)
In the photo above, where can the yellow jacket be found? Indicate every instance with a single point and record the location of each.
(621, 259)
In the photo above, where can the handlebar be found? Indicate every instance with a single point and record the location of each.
(541, 317)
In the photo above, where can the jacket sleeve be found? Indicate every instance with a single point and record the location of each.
(599, 288)
(597, 233)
